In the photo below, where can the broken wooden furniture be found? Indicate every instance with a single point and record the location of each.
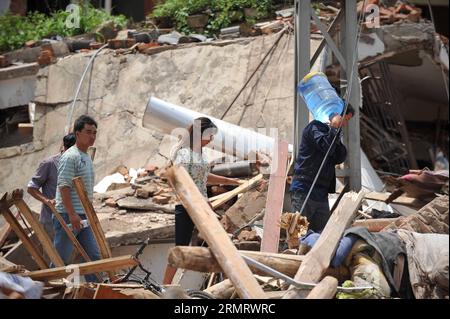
(212, 231)
(317, 260)
(16, 198)
(5, 231)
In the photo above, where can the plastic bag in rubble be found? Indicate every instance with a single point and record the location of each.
(428, 263)
(28, 288)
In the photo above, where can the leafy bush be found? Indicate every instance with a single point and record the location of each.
(221, 12)
(16, 30)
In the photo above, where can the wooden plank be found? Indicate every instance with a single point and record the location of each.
(326, 289)
(275, 200)
(40, 232)
(402, 200)
(92, 217)
(212, 231)
(201, 259)
(72, 238)
(108, 292)
(223, 198)
(28, 244)
(107, 265)
(318, 259)
(374, 225)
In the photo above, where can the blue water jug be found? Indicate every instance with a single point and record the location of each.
(321, 98)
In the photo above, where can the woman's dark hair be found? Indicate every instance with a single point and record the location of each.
(69, 140)
(204, 124)
(82, 121)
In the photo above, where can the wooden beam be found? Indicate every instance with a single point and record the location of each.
(17, 228)
(40, 232)
(223, 198)
(402, 200)
(374, 225)
(222, 290)
(212, 231)
(107, 265)
(72, 238)
(318, 259)
(201, 259)
(326, 289)
(275, 200)
(93, 219)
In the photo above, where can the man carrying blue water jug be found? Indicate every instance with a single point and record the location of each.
(317, 137)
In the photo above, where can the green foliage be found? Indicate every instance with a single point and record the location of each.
(221, 12)
(16, 30)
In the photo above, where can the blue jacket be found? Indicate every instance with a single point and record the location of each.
(316, 139)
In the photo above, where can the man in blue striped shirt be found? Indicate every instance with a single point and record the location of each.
(75, 162)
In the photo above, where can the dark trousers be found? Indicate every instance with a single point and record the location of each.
(317, 213)
(183, 226)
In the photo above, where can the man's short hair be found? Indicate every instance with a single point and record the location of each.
(350, 109)
(69, 140)
(82, 121)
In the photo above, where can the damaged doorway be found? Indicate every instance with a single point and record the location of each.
(15, 126)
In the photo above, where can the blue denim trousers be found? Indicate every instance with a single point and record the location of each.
(64, 246)
(317, 213)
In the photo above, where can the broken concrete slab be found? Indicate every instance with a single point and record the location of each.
(144, 204)
(115, 194)
(15, 71)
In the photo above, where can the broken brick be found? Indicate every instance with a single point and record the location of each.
(143, 180)
(44, 58)
(110, 202)
(142, 193)
(95, 45)
(150, 169)
(30, 43)
(247, 235)
(121, 44)
(3, 61)
(161, 200)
